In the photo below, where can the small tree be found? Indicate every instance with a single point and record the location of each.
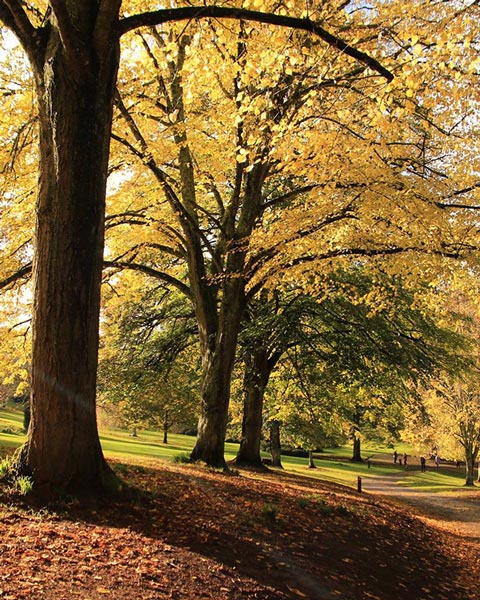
(454, 411)
(149, 370)
(453, 401)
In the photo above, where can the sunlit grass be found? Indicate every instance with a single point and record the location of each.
(442, 479)
(11, 428)
(338, 471)
(332, 465)
(117, 444)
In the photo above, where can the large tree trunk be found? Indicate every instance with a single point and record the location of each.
(257, 373)
(470, 473)
(218, 356)
(75, 98)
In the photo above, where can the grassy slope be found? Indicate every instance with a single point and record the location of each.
(333, 465)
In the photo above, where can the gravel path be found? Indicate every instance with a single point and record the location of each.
(458, 512)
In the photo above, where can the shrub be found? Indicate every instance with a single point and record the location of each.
(343, 509)
(322, 505)
(24, 485)
(269, 511)
(6, 467)
(183, 458)
(303, 502)
(121, 468)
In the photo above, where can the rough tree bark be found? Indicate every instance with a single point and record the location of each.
(218, 356)
(255, 381)
(74, 57)
(259, 364)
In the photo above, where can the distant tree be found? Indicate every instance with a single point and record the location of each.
(311, 416)
(451, 408)
(368, 339)
(148, 368)
(454, 413)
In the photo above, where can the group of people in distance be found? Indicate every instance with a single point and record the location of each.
(402, 460)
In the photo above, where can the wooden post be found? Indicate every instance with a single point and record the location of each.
(359, 484)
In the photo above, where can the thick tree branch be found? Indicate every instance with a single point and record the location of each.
(220, 12)
(20, 274)
(466, 190)
(70, 38)
(15, 18)
(106, 17)
(150, 272)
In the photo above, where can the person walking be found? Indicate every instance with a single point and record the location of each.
(405, 459)
(395, 457)
(423, 464)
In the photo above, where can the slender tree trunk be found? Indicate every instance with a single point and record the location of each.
(311, 464)
(26, 417)
(165, 427)
(75, 98)
(257, 373)
(275, 445)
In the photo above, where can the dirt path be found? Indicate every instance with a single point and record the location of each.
(457, 512)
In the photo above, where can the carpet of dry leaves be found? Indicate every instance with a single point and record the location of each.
(193, 533)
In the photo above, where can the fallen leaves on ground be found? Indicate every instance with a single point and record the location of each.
(192, 533)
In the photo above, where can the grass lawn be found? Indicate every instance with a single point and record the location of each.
(332, 465)
(11, 428)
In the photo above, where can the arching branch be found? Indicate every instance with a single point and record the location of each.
(160, 275)
(351, 252)
(26, 271)
(221, 12)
